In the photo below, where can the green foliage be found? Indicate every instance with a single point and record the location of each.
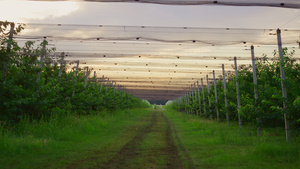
(268, 107)
(31, 92)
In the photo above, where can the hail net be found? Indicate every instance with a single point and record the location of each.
(158, 63)
(272, 3)
(161, 63)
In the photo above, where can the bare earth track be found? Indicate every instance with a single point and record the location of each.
(153, 146)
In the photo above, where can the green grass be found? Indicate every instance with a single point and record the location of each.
(89, 141)
(216, 145)
(64, 140)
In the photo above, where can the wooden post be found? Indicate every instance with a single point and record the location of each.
(199, 99)
(188, 101)
(283, 86)
(95, 81)
(42, 58)
(238, 93)
(101, 86)
(192, 100)
(255, 90)
(185, 103)
(102, 79)
(216, 96)
(106, 87)
(75, 78)
(195, 98)
(225, 95)
(114, 87)
(208, 93)
(61, 63)
(203, 94)
(86, 77)
(10, 37)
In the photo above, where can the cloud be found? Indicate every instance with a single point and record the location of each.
(22, 11)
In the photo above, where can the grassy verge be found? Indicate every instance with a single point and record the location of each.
(63, 140)
(216, 145)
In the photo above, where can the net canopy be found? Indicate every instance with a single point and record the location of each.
(271, 3)
(157, 63)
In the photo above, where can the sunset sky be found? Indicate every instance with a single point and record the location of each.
(157, 60)
(76, 12)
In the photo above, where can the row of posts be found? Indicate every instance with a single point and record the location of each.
(43, 55)
(193, 92)
(195, 88)
(107, 83)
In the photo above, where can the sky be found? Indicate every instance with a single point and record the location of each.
(137, 14)
(186, 69)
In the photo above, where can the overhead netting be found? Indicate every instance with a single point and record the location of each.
(158, 62)
(272, 3)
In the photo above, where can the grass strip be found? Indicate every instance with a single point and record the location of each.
(68, 141)
(215, 145)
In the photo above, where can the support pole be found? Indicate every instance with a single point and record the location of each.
(192, 97)
(42, 58)
(208, 93)
(283, 86)
(238, 93)
(225, 95)
(75, 78)
(10, 37)
(195, 96)
(188, 101)
(203, 94)
(94, 79)
(216, 96)
(106, 87)
(255, 90)
(102, 79)
(61, 63)
(199, 99)
(86, 77)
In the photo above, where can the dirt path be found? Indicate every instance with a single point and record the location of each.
(154, 146)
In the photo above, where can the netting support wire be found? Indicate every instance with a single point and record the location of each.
(203, 94)
(255, 91)
(225, 95)
(208, 95)
(216, 96)
(283, 85)
(75, 78)
(237, 92)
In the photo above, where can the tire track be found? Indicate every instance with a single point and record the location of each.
(187, 158)
(130, 150)
(174, 161)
